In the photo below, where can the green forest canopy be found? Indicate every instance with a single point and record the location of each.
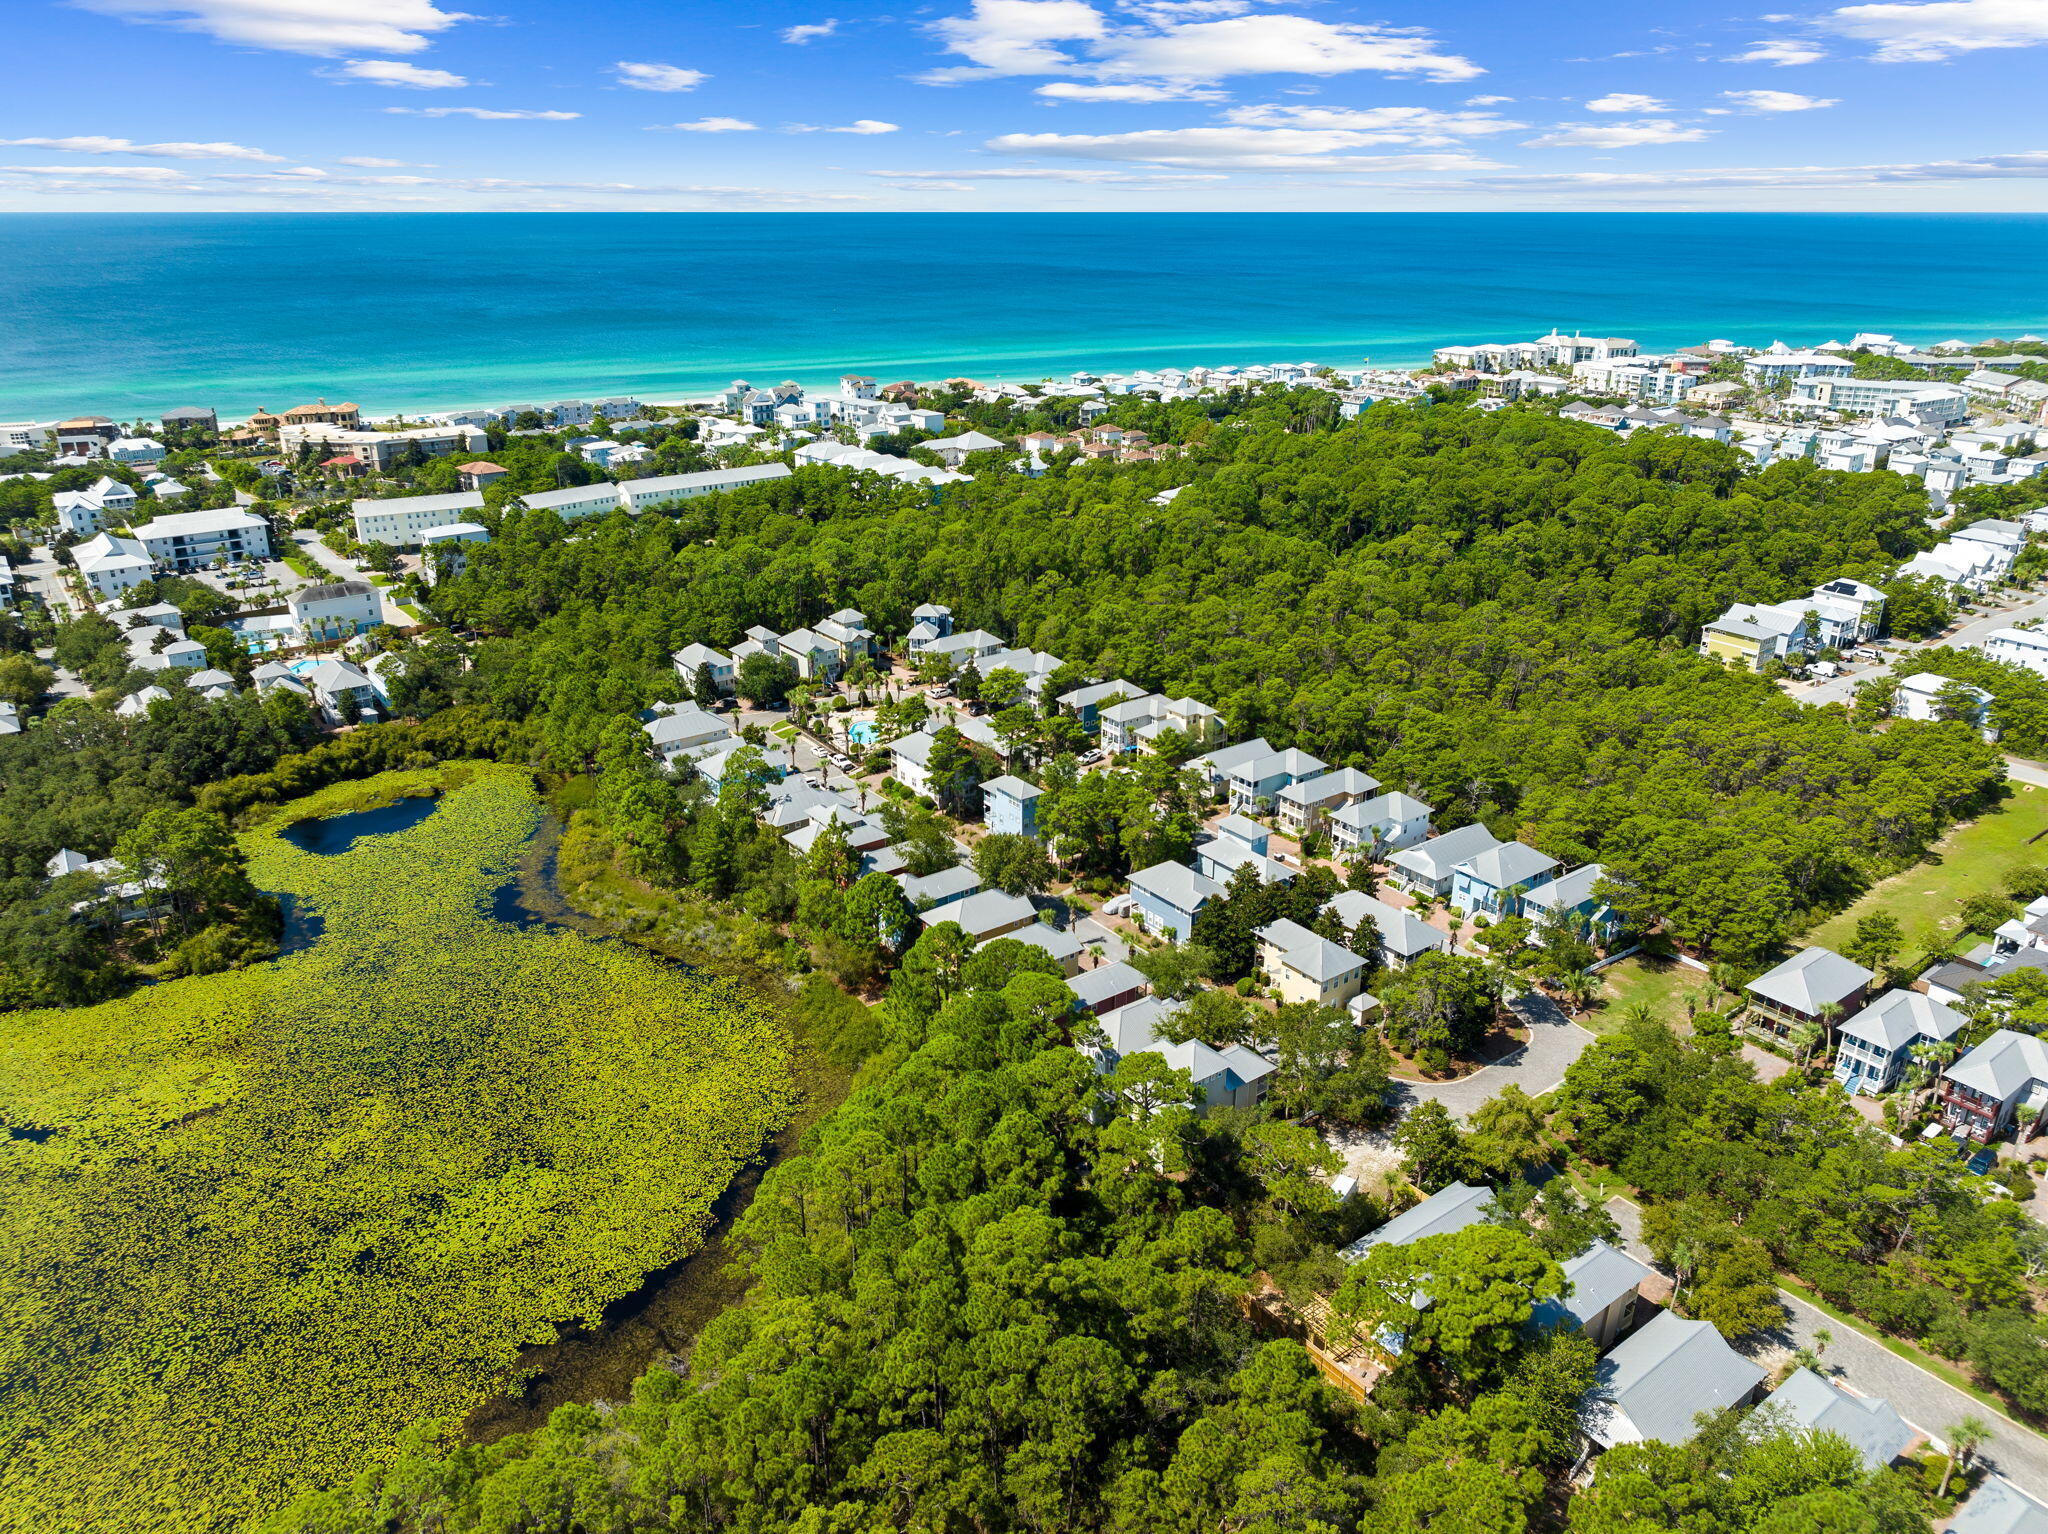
(1497, 613)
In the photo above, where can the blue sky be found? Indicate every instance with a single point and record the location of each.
(1928, 105)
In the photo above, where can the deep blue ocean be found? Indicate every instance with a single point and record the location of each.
(129, 314)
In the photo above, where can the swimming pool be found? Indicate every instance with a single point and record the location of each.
(861, 732)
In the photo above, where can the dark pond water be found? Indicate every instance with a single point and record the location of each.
(334, 834)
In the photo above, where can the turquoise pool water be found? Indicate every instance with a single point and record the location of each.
(861, 732)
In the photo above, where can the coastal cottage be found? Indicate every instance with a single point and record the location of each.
(681, 730)
(1256, 782)
(1808, 1403)
(1652, 1386)
(1444, 1213)
(1386, 823)
(1308, 968)
(336, 610)
(1305, 807)
(1981, 1094)
(691, 658)
(1603, 1295)
(1492, 883)
(1403, 938)
(1010, 806)
(1804, 987)
(1167, 896)
(1878, 1041)
(1428, 868)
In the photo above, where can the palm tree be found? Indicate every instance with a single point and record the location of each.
(1802, 1039)
(1830, 1014)
(1964, 1440)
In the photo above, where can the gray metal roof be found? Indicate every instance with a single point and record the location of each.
(1316, 957)
(1095, 985)
(944, 884)
(1897, 1018)
(1998, 1507)
(1061, 945)
(1811, 979)
(1176, 884)
(1878, 1433)
(1566, 892)
(1400, 933)
(1599, 1276)
(2002, 1065)
(1341, 780)
(1655, 1383)
(984, 910)
(1435, 858)
(1443, 1213)
(1508, 864)
(1011, 788)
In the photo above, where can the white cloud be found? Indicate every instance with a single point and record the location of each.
(1779, 51)
(1288, 149)
(1378, 125)
(1282, 45)
(866, 126)
(1621, 101)
(1087, 176)
(105, 172)
(806, 31)
(1074, 90)
(297, 26)
(1777, 101)
(2029, 166)
(485, 114)
(1163, 12)
(1649, 130)
(1016, 37)
(371, 162)
(92, 143)
(397, 72)
(1487, 101)
(1025, 37)
(1911, 34)
(658, 77)
(709, 125)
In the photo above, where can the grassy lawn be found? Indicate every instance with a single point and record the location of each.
(1654, 979)
(1970, 860)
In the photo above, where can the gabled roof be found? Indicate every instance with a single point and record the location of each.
(1307, 954)
(1877, 1432)
(941, 886)
(1897, 1018)
(1012, 788)
(1566, 892)
(984, 909)
(1655, 1383)
(1811, 979)
(1176, 884)
(1061, 945)
(1508, 864)
(2002, 1064)
(1105, 980)
(1443, 1213)
(1227, 759)
(1385, 809)
(1598, 1277)
(1401, 934)
(1343, 780)
(1998, 1507)
(1435, 858)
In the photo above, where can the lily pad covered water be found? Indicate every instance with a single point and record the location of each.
(278, 1216)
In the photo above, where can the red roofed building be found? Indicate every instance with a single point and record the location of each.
(476, 475)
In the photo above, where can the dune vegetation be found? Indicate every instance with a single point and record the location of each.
(254, 1225)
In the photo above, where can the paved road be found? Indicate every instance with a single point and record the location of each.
(1555, 1041)
(1842, 689)
(344, 569)
(1930, 1404)
(2023, 771)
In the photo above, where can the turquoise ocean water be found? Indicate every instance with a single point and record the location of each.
(129, 314)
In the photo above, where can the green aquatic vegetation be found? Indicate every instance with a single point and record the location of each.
(254, 1225)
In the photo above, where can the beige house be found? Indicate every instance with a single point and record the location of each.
(1308, 968)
